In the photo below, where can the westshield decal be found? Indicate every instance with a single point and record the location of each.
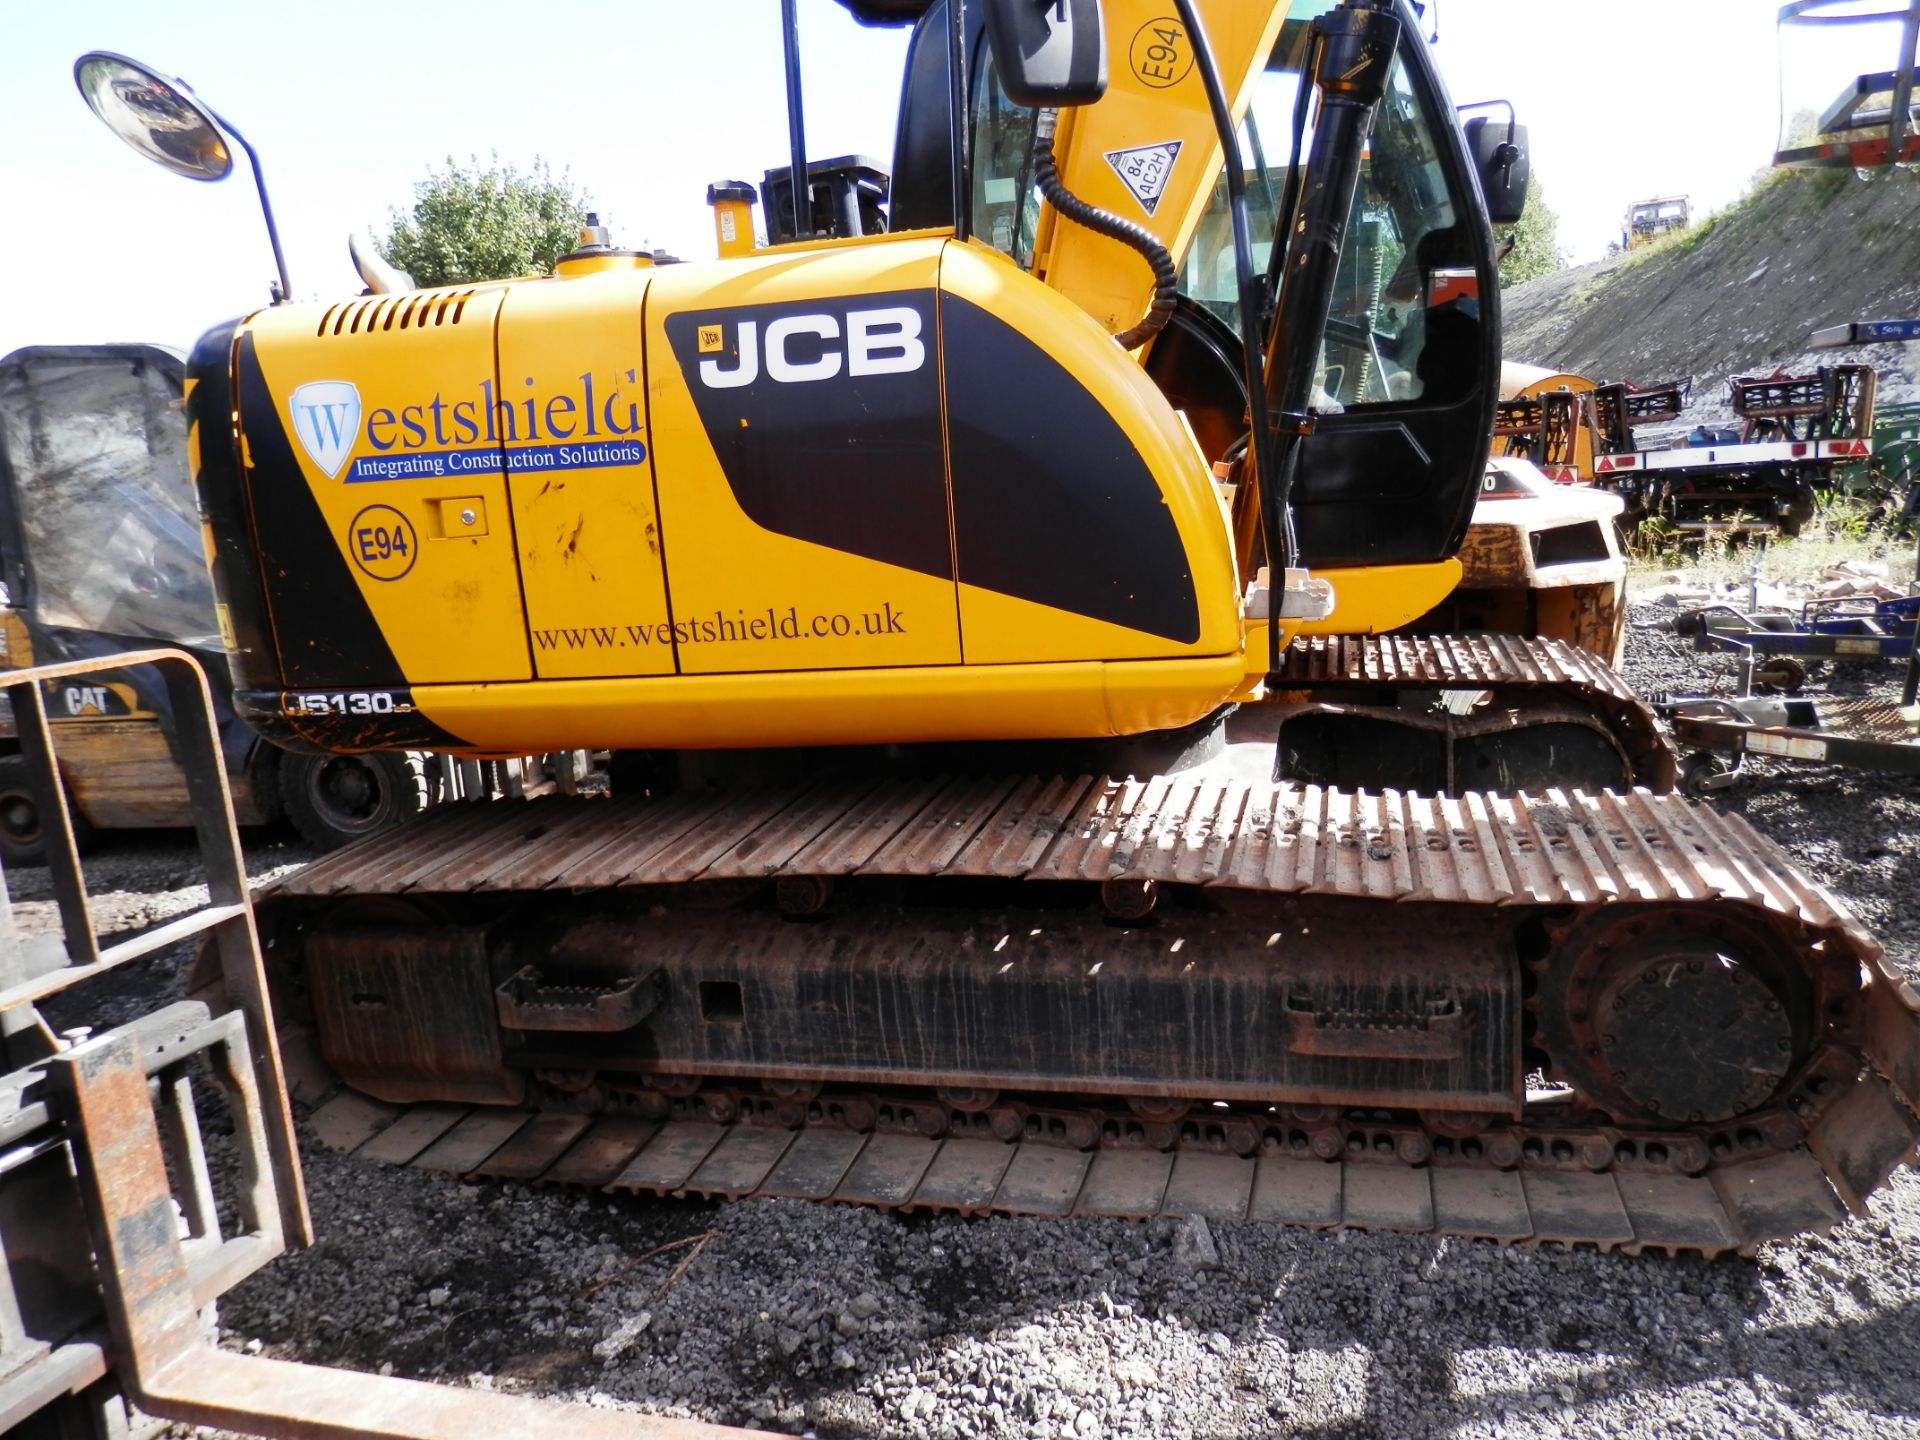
(825, 417)
(326, 421)
(587, 455)
(323, 630)
(586, 423)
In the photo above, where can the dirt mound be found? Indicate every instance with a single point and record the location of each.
(1740, 293)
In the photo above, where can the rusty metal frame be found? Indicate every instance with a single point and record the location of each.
(154, 1284)
(29, 973)
(1728, 736)
(122, 1105)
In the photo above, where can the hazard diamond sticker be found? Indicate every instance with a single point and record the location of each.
(1144, 170)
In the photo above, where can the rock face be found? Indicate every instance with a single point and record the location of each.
(1740, 293)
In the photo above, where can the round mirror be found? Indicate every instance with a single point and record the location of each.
(155, 116)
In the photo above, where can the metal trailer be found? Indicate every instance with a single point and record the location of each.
(1796, 433)
(1847, 628)
(1718, 733)
(112, 1238)
(1872, 122)
(1840, 730)
(1888, 475)
(1796, 436)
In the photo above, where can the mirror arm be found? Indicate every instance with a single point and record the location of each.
(284, 291)
(1508, 151)
(265, 208)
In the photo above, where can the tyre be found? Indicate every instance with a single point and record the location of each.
(1796, 512)
(22, 839)
(335, 799)
(1782, 674)
(1702, 773)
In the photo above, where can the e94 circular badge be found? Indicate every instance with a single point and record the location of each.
(382, 543)
(1161, 55)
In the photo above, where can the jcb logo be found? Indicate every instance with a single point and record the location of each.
(881, 341)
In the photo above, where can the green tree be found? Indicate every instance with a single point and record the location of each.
(472, 223)
(1536, 242)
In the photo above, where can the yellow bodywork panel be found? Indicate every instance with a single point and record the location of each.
(1373, 599)
(386, 423)
(747, 597)
(1000, 628)
(1154, 115)
(836, 707)
(583, 516)
(880, 491)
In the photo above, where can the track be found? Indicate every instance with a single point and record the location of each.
(1224, 860)
(1735, 1207)
(1529, 698)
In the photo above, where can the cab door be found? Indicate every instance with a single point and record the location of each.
(1409, 370)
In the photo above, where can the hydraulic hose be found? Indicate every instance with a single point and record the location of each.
(1166, 279)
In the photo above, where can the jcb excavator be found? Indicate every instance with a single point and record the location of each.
(953, 860)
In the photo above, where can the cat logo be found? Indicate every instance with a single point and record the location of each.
(86, 700)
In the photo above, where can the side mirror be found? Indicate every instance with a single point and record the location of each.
(171, 126)
(1048, 53)
(1499, 150)
(154, 115)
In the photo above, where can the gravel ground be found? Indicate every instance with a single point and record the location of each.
(796, 1317)
(137, 878)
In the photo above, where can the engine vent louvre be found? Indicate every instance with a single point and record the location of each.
(414, 311)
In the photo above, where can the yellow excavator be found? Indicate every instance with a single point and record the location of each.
(952, 597)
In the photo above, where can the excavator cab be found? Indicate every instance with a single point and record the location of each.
(1405, 379)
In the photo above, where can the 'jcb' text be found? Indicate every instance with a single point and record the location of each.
(800, 348)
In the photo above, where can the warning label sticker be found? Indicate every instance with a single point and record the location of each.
(1144, 170)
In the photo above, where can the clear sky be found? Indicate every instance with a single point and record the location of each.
(646, 102)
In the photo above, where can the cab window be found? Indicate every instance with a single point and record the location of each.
(1401, 232)
(1005, 201)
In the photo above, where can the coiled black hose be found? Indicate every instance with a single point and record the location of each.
(1166, 279)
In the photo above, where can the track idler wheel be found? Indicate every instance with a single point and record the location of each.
(1129, 900)
(1163, 1109)
(1666, 1018)
(968, 1100)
